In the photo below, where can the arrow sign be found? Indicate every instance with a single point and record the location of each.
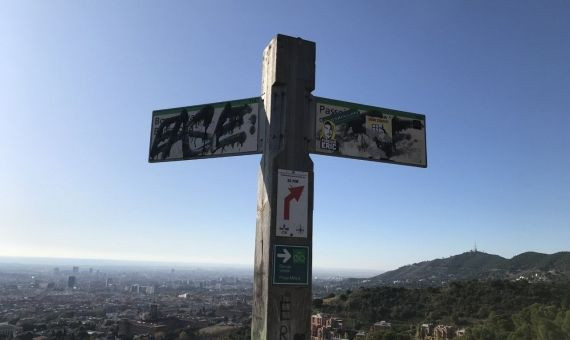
(294, 194)
(291, 265)
(292, 218)
(285, 255)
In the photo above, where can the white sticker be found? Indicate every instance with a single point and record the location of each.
(292, 203)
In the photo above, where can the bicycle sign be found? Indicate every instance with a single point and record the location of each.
(291, 265)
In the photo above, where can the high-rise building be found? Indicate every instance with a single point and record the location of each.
(109, 282)
(75, 269)
(90, 271)
(154, 312)
(135, 288)
(56, 271)
(71, 281)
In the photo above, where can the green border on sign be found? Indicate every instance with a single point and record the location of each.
(356, 106)
(176, 110)
(306, 283)
(252, 100)
(368, 107)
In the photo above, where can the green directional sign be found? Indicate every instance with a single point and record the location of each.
(291, 265)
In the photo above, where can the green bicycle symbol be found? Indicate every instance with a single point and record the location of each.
(299, 256)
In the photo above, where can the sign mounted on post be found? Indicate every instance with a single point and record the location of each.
(203, 131)
(292, 203)
(291, 265)
(341, 129)
(372, 133)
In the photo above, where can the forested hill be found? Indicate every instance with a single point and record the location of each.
(479, 265)
(494, 309)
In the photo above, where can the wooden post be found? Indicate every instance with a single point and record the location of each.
(283, 311)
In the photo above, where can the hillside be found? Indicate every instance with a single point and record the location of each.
(495, 309)
(531, 266)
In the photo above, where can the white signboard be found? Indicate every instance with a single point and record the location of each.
(359, 131)
(203, 131)
(292, 203)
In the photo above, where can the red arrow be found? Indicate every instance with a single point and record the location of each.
(294, 193)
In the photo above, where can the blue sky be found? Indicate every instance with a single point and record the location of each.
(80, 79)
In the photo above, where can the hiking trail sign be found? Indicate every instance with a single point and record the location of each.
(292, 203)
(285, 125)
(291, 265)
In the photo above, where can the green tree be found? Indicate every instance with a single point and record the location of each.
(317, 303)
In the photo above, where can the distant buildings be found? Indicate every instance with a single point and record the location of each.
(71, 281)
(444, 332)
(153, 312)
(128, 328)
(325, 327)
(39, 305)
(380, 326)
(431, 331)
(8, 331)
(138, 289)
(360, 336)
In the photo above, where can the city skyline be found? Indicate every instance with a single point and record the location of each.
(80, 82)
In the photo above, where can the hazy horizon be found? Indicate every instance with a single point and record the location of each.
(94, 262)
(80, 81)
(153, 265)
